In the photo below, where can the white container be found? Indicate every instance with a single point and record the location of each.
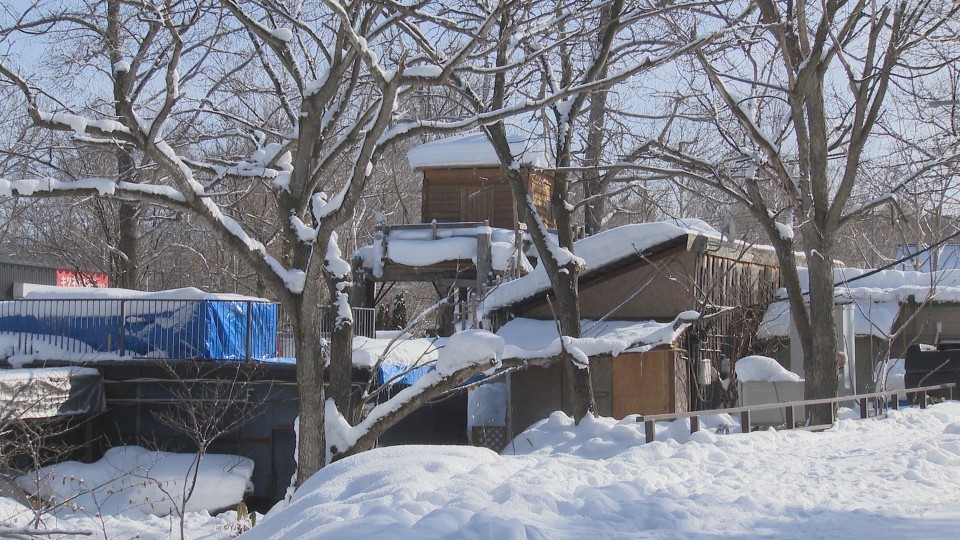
(763, 392)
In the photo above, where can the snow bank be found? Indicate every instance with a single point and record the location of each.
(475, 150)
(604, 438)
(763, 369)
(135, 482)
(769, 484)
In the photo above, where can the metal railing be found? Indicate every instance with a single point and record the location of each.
(364, 324)
(113, 329)
(877, 399)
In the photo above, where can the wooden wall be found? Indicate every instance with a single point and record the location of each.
(480, 194)
(748, 286)
(922, 327)
(668, 294)
(653, 382)
(632, 383)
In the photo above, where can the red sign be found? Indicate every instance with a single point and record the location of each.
(72, 278)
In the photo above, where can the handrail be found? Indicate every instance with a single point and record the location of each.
(433, 225)
(649, 420)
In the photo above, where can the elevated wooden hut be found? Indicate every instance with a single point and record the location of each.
(463, 180)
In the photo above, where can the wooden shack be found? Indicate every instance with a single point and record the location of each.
(648, 272)
(463, 180)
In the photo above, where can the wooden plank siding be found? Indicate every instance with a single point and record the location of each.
(644, 383)
(919, 322)
(480, 194)
(722, 282)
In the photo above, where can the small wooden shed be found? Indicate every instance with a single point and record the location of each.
(652, 382)
(648, 272)
(463, 180)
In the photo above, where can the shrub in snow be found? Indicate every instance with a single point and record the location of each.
(133, 481)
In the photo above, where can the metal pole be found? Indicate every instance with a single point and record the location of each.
(249, 329)
(123, 327)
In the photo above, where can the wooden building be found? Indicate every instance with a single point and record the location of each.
(648, 272)
(892, 310)
(463, 180)
(478, 194)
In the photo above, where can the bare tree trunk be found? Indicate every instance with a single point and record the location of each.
(341, 350)
(126, 267)
(820, 353)
(310, 362)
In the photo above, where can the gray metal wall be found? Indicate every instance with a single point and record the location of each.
(15, 271)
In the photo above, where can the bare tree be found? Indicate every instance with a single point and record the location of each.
(796, 100)
(291, 107)
(208, 403)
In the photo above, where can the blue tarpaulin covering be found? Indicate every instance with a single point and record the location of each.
(208, 329)
(390, 371)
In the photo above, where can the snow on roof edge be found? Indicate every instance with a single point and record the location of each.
(474, 150)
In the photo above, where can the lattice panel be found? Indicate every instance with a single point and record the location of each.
(492, 437)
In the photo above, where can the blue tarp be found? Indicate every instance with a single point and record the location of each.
(389, 372)
(208, 330)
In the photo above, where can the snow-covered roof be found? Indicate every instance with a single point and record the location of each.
(475, 150)
(426, 246)
(877, 297)
(524, 336)
(48, 292)
(596, 251)
(870, 319)
(406, 360)
(395, 352)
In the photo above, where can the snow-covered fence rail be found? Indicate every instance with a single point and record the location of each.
(101, 329)
(878, 400)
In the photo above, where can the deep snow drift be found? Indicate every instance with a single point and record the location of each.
(898, 477)
(892, 478)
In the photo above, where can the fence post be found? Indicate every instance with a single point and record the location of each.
(864, 412)
(694, 424)
(791, 416)
(745, 422)
(123, 327)
(895, 402)
(650, 430)
(249, 328)
(923, 399)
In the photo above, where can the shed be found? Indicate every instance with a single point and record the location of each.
(892, 310)
(646, 274)
(463, 180)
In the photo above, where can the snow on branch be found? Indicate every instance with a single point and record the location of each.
(102, 187)
(466, 354)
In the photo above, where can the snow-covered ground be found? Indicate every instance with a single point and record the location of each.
(134, 493)
(892, 478)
